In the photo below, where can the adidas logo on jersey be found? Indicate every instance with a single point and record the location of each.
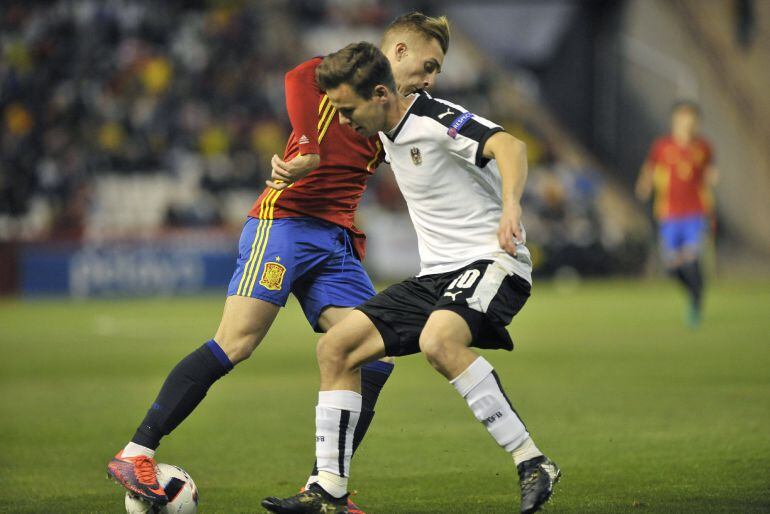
(304, 140)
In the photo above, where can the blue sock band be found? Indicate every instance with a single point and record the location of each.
(220, 354)
(379, 367)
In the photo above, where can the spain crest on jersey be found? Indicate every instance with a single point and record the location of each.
(272, 276)
(416, 157)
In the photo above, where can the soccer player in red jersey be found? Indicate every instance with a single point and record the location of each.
(680, 171)
(299, 238)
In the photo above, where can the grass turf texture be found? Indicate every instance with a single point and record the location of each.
(641, 413)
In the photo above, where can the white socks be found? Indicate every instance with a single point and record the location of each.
(333, 484)
(479, 385)
(134, 450)
(337, 414)
(527, 450)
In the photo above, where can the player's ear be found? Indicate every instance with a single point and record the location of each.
(400, 51)
(381, 93)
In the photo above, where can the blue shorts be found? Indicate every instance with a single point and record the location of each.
(309, 257)
(679, 233)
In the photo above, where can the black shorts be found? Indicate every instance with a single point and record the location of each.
(483, 293)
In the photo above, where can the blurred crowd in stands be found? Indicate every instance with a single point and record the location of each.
(192, 92)
(136, 87)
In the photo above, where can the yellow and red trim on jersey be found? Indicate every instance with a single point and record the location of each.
(323, 103)
(370, 165)
(325, 119)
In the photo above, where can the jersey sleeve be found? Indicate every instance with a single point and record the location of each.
(467, 134)
(302, 93)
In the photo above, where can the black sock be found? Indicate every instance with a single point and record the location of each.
(678, 273)
(373, 378)
(685, 276)
(183, 390)
(692, 273)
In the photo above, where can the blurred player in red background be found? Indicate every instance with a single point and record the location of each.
(680, 171)
(299, 238)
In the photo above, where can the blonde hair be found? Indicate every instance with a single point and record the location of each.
(427, 26)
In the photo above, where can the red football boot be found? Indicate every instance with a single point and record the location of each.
(137, 474)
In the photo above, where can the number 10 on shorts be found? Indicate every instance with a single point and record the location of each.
(464, 281)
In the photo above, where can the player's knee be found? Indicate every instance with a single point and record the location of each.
(323, 349)
(433, 344)
(239, 343)
(238, 349)
(331, 353)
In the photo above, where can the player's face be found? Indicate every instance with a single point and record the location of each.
(415, 62)
(366, 117)
(684, 123)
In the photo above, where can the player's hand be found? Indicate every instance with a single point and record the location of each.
(509, 234)
(285, 173)
(644, 183)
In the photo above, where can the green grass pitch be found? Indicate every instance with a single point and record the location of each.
(642, 414)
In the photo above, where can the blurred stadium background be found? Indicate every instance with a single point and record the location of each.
(135, 135)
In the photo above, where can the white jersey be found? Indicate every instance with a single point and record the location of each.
(453, 193)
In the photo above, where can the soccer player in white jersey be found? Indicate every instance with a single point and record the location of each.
(462, 177)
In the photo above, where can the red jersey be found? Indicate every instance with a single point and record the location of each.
(679, 176)
(333, 191)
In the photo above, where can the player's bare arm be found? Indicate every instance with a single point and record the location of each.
(643, 187)
(511, 156)
(286, 173)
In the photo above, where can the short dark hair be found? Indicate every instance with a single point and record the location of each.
(427, 26)
(360, 65)
(686, 104)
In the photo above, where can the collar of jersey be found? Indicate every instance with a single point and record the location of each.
(393, 134)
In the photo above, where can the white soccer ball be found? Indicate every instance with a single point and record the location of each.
(180, 489)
